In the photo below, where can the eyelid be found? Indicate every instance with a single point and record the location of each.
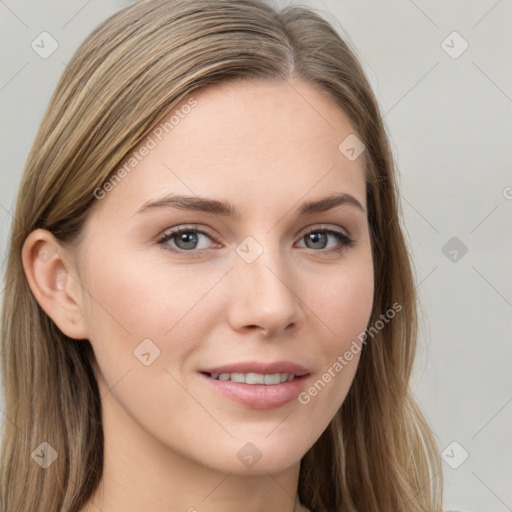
(205, 231)
(326, 227)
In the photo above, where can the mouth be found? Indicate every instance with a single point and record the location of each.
(255, 370)
(267, 386)
(269, 379)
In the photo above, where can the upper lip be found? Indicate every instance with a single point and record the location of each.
(261, 368)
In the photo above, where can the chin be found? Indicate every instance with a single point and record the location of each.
(259, 455)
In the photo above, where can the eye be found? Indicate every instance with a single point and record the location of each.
(318, 239)
(185, 239)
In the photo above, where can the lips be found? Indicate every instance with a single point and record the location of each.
(270, 395)
(270, 368)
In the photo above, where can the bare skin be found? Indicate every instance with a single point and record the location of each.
(172, 441)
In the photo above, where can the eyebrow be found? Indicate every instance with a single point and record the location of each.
(216, 207)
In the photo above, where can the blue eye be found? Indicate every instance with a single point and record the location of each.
(186, 239)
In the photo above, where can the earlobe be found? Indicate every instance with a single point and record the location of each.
(49, 271)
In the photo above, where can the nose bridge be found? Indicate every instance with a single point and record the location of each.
(262, 286)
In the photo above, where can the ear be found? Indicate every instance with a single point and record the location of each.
(54, 282)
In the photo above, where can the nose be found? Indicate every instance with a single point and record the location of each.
(262, 295)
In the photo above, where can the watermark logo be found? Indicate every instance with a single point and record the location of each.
(351, 147)
(249, 455)
(44, 45)
(454, 455)
(249, 249)
(45, 455)
(146, 352)
(46, 253)
(454, 45)
(454, 249)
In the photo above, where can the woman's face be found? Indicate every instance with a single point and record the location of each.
(258, 282)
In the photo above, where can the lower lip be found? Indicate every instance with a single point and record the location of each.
(259, 396)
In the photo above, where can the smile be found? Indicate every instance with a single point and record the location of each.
(254, 378)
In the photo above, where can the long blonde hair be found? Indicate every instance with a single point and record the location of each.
(378, 453)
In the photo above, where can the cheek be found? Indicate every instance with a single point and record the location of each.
(144, 319)
(343, 302)
(133, 300)
(146, 299)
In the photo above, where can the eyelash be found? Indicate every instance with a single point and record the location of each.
(346, 241)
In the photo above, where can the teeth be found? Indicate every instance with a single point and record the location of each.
(252, 378)
(255, 378)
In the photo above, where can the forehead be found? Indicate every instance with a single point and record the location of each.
(244, 140)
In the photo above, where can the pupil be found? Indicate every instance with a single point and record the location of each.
(315, 237)
(187, 238)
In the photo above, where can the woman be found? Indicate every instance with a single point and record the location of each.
(209, 301)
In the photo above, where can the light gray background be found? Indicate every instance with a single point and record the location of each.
(450, 125)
